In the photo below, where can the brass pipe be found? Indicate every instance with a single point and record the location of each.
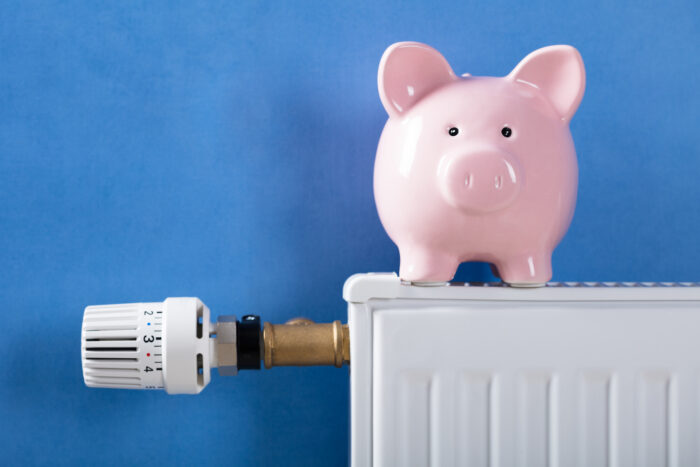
(301, 342)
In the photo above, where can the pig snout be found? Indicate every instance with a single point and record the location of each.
(479, 181)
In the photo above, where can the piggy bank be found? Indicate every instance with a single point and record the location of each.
(477, 168)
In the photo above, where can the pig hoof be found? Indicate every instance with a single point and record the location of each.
(526, 285)
(429, 283)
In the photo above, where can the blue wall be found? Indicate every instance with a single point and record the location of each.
(225, 150)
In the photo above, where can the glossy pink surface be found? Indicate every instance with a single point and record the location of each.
(477, 168)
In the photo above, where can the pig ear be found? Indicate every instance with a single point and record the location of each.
(408, 72)
(558, 72)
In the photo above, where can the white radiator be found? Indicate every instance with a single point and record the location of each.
(486, 375)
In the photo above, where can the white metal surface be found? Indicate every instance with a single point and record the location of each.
(568, 374)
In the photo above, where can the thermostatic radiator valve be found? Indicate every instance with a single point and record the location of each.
(172, 345)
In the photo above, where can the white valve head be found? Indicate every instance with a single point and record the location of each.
(161, 345)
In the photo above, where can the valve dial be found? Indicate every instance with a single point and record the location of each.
(161, 345)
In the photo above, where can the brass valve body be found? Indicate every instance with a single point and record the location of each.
(301, 342)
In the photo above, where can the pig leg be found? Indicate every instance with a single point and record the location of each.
(420, 264)
(530, 270)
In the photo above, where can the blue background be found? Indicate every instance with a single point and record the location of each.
(225, 150)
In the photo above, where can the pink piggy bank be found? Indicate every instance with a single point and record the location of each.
(477, 168)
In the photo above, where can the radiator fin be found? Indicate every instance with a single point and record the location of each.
(534, 408)
(654, 415)
(474, 419)
(414, 423)
(595, 431)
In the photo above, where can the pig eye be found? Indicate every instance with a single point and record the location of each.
(454, 131)
(506, 132)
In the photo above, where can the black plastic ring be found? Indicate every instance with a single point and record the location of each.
(249, 342)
